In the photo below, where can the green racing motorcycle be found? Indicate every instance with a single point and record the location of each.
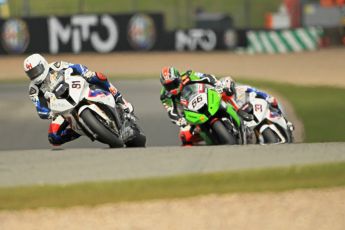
(217, 122)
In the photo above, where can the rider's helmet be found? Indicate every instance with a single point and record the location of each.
(36, 68)
(229, 85)
(171, 80)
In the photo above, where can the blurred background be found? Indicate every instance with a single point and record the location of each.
(178, 13)
(222, 24)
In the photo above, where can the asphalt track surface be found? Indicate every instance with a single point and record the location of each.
(26, 157)
(37, 167)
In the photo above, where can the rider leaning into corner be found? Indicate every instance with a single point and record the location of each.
(173, 83)
(39, 71)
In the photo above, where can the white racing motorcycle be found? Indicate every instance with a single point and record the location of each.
(268, 125)
(93, 112)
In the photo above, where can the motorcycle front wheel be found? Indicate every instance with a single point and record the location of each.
(222, 134)
(100, 129)
(269, 136)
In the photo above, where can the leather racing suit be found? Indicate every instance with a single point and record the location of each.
(172, 104)
(239, 98)
(59, 131)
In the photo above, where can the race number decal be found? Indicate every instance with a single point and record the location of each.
(76, 85)
(197, 102)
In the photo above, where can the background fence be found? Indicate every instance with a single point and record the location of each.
(178, 13)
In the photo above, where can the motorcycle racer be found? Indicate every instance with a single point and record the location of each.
(237, 96)
(173, 83)
(40, 73)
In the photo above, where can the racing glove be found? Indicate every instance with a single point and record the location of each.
(181, 122)
(228, 86)
(51, 115)
(125, 105)
(273, 102)
(48, 95)
(128, 107)
(112, 89)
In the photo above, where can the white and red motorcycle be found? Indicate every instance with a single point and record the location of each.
(268, 124)
(93, 112)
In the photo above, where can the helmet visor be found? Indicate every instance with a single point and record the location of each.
(174, 84)
(35, 72)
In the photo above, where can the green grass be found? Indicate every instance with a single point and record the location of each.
(178, 13)
(90, 194)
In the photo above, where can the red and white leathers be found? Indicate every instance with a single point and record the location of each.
(59, 130)
(189, 135)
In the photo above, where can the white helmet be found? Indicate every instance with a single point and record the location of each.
(36, 67)
(229, 85)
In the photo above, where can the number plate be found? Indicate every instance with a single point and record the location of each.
(197, 102)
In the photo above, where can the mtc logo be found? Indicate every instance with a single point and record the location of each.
(194, 39)
(83, 29)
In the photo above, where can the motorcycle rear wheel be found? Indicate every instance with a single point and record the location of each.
(103, 134)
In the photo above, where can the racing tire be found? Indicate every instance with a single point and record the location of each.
(103, 134)
(223, 135)
(270, 137)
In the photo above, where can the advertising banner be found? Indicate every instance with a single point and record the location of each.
(107, 33)
(208, 40)
(81, 33)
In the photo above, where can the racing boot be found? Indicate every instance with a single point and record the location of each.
(186, 136)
